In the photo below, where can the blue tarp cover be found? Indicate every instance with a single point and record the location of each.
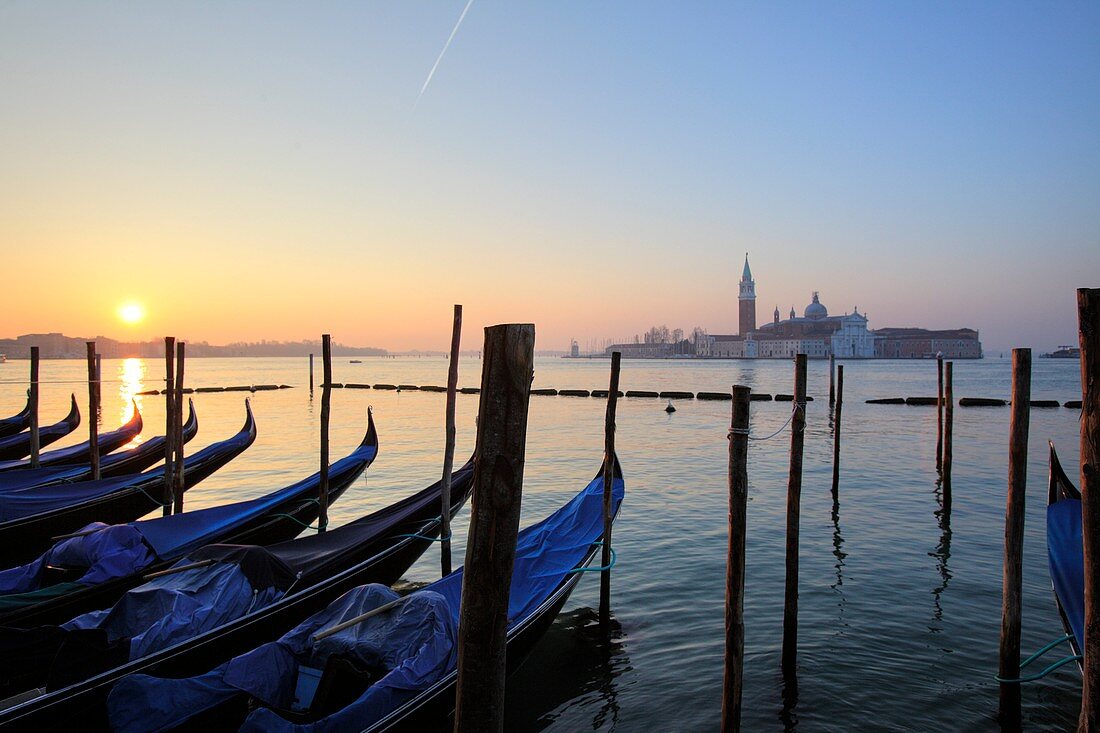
(179, 533)
(172, 608)
(109, 551)
(416, 641)
(1067, 562)
(38, 499)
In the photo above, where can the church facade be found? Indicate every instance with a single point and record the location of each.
(820, 335)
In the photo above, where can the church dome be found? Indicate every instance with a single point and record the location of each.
(815, 310)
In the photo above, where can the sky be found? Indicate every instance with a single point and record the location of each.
(250, 171)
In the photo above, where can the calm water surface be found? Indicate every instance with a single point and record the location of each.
(899, 605)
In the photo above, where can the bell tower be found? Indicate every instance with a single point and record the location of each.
(746, 301)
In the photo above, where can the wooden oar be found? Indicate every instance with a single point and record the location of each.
(179, 569)
(357, 620)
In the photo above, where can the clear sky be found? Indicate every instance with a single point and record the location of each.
(250, 170)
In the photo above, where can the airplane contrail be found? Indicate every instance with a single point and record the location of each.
(445, 47)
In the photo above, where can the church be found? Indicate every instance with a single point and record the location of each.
(820, 335)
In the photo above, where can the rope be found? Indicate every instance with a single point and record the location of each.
(599, 569)
(745, 431)
(1046, 648)
(293, 518)
(425, 537)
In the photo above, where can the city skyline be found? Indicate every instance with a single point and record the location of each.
(246, 175)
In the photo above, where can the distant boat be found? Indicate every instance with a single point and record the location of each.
(1063, 352)
(3, 358)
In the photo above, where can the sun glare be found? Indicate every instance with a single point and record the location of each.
(131, 312)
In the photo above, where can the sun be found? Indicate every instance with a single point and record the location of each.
(131, 312)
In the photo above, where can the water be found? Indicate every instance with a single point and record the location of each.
(899, 607)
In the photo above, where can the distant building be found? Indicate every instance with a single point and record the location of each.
(820, 335)
(920, 343)
(574, 349)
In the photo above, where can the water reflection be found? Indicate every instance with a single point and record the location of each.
(788, 714)
(942, 553)
(840, 555)
(574, 668)
(131, 376)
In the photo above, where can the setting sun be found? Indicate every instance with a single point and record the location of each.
(131, 312)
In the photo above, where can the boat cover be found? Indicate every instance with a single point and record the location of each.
(179, 606)
(19, 445)
(40, 499)
(106, 552)
(81, 452)
(416, 643)
(1067, 562)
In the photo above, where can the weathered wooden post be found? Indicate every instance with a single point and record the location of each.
(169, 424)
(948, 430)
(494, 525)
(832, 377)
(939, 413)
(608, 484)
(177, 429)
(311, 375)
(1088, 319)
(1012, 574)
(36, 441)
(794, 507)
(326, 406)
(735, 561)
(449, 448)
(836, 430)
(93, 412)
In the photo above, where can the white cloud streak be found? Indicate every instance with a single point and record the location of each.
(444, 51)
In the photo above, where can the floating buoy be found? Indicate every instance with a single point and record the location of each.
(669, 407)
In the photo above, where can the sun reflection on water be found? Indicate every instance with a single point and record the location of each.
(131, 374)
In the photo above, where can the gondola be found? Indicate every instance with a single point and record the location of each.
(134, 460)
(104, 560)
(1064, 548)
(19, 446)
(81, 452)
(314, 570)
(31, 517)
(395, 670)
(17, 423)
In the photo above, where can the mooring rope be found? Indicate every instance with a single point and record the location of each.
(745, 431)
(426, 537)
(1039, 675)
(600, 569)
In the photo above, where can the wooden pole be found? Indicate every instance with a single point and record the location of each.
(311, 374)
(177, 429)
(948, 430)
(939, 413)
(794, 504)
(169, 423)
(326, 402)
(494, 526)
(449, 448)
(608, 484)
(36, 443)
(832, 377)
(1088, 315)
(836, 430)
(1012, 574)
(93, 403)
(735, 561)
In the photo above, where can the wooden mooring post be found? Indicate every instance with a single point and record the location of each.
(177, 431)
(794, 504)
(311, 375)
(836, 430)
(948, 430)
(738, 478)
(449, 448)
(939, 413)
(93, 411)
(1012, 574)
(326, 406)
(1088, 315)
(494, 525)
(832, 378)
(608, 485)
(169, 424)
(36, 439)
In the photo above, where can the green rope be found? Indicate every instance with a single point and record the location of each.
(425, 537)
(293, 518)
(600, 569)
(1043, 650)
